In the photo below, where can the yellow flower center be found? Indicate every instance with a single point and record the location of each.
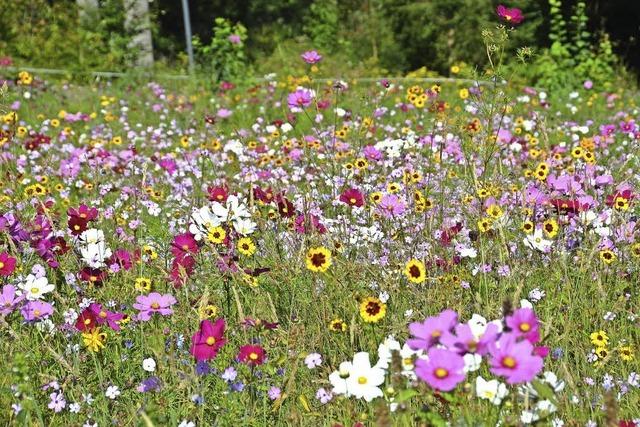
(36, 313)
(525, 327)
(211, 341)
(103, 314)
(441, 373)
(509, 362)
(1, 264)
(155, 305)
(253, 356)
(362, 380)
(34, 290)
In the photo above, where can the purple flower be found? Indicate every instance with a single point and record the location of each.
(313, 360)
(229, 374)
(311, 57)
(36, 310)
(274, 393)
(223, 113)
(9, 300)
(514, 360)
(150, 384)
(235, 39)
(300, 99)
(443, 371)
(154, 303)
(57, 402)
(391, 206)
(428, 333)
(324, 396)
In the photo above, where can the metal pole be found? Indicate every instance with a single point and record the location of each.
(187, 33)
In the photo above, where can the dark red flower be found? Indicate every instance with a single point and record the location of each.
(218, 194)
(7, 264)
(93, 275)
(84, 212)
(352, 197)
(252, 355)
(86, 321)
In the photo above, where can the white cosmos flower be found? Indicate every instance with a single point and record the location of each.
(384, 351)
(364, 380)
(237, 209)
(338, 378)
(472, 362)
(95, 254)
(244, 226)
(537, 241)
(494, 391)
(91, 236)
(35, 288)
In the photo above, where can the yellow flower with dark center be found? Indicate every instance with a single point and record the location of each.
(216, 235)
(143, 284)
(626, 353)
(602, 352)
(635, 250)
(607, 256)
(337, 325)
(208, 311)
(415, 271)
(599, 338)
(372, 310)
(484, 225)
(550, 227)
(318, 259)
(94, 339)
(463, 93)
(621, 204)
(375, 197)
(528, 227)
(494, 211)
(246, 246)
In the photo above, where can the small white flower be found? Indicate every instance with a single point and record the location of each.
(384, 296)
(312, 360)
(112, 392)
(494, 391)
(187, 423)
(149, 364)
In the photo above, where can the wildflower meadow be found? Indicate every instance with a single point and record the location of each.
(305, 250)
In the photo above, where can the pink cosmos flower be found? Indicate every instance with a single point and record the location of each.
(524, 323)
(206, 343)
(299, 99)
(443, 370)
(464, 341)
(36, 310)
(311, 57)
(514, 360)
(511, 15)
(7, 264)
(9, 300)
(154, 303)
(235, 39)
(428, 333)
(391, 206)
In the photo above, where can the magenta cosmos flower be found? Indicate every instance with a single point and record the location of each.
(391, 206)
(206, 343)
(443, 370)
(103, 316)
(7, 264)
(154, 303)
(252, 355)
(524, 323)
(36, 310)
(9, 300)
(514, 359)
(299, 99)
(428, 333)
(352, 197)
(311, 57)
(512, 15)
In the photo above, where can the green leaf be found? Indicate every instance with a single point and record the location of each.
(405, 395)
